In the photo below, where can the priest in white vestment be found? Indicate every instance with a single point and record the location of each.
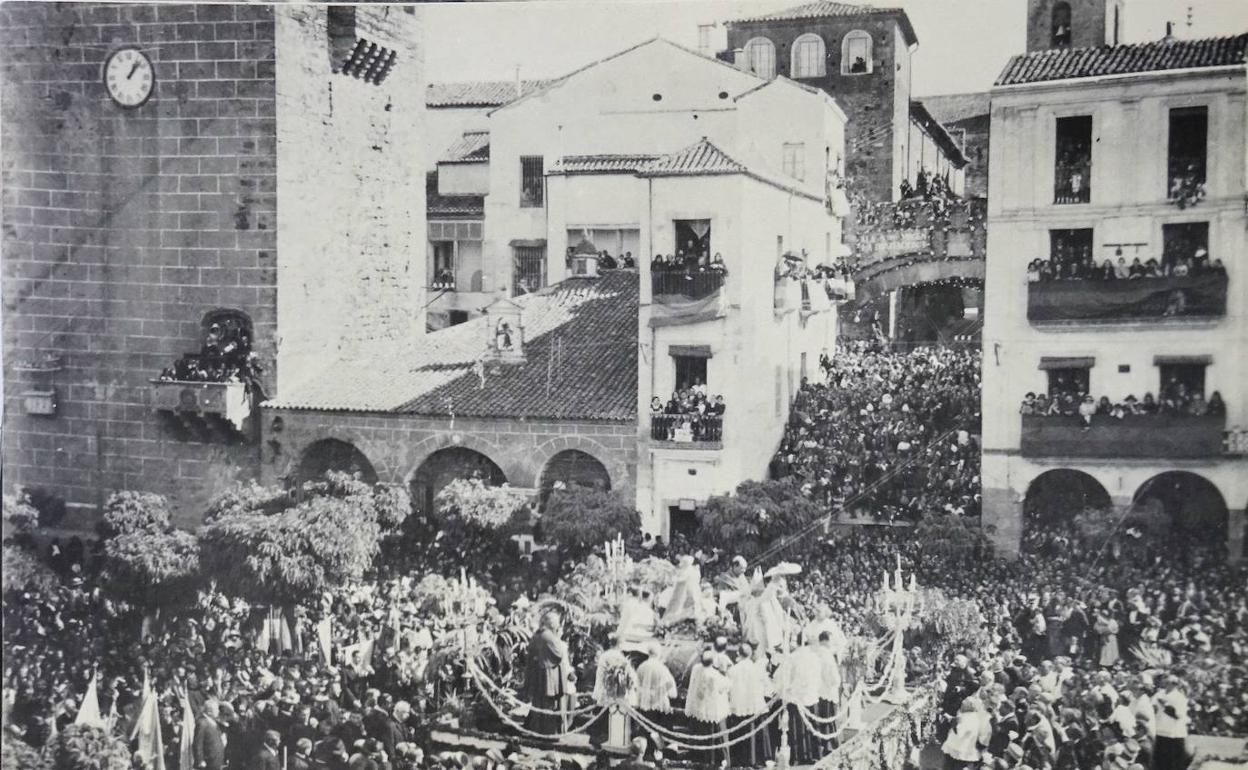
(749, 687)
(707, 707)
(656, 687)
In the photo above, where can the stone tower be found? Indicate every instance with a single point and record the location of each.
(1053, 24)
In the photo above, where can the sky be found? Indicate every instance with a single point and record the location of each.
(963, 44)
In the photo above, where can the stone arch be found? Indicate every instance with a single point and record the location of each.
(1061, 494)
(617, 471)
(1187, 502)
(444, 465)
(572, 467)
(332, 454)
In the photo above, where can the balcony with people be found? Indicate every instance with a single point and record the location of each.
(1071, 286)
(684, 276)
(219, 385)
(690, 419)
(1068, 422)
(929, 231)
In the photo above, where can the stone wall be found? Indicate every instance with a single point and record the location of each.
(123, 228)
(396, 444)
(869, 100)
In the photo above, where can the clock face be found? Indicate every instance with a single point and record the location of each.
(129, 76)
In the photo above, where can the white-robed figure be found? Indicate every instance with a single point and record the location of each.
(686, 601)
(706, 703)
(798, 679)
(637, 621)
(824, 623)
(656, 687)
(766, 620)
(749, 686)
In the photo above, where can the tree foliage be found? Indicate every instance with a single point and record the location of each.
(23, 570)
(130, 512)
(16, 754)
(266, 545)
(478, 503)
(152, 569)
(20, 516)
(755, 517)
(578, 518)
(949, 538)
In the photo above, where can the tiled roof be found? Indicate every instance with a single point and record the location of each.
(472, 147)
(480, 93)
(1154, 56)
(699, 159)
(951, 108)
(826, 8)
(581, 364)
(450, 205)
(601, 164)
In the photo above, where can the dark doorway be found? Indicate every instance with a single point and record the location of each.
(446, 465)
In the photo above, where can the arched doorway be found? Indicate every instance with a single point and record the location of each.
(573, 467)
(1187, 504)
(1059, 495)
(331, 454)
(444, 466)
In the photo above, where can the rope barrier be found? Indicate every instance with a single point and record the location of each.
(513, 724)
(714, 740)
(477, 673)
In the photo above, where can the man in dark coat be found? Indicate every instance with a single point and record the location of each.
(207, 748)
(267, 757)
(394, 730)
(547, 675)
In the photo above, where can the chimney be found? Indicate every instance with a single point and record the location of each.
(1169, 38)
(738, 59)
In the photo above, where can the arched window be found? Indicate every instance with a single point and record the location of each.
(760, 57)
(808, 57)
(856, 53)
(1061, 25)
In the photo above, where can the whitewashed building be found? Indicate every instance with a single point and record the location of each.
(1101, 154)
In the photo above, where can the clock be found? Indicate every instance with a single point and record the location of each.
(129, 76)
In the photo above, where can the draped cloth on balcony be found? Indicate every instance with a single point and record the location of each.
(1140, 298)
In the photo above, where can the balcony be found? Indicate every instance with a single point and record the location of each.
(1136, 299)
(686, 283)
(1166, 436)
(688, 431)
(203, 406)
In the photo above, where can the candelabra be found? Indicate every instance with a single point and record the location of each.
(619, 567)
(899, 603)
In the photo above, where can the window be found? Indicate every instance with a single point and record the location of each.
(1181, 241)
(808, 57)
(529, 269)
(693, 239)
(1181, 381)
(443, 266)
(760, 57)
(794, 159)
(1061, 26)
(690, 371)
(1072, 172)
(532, 192)
(1069, 251)
(1189, 130)
(856, 53)
(1070, 381)
(704, 37)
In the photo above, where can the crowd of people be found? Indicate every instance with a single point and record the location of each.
(1177, 400)
(691, 414)
(888, 432)
(1081, 267)
(689, 262)
(224, 356)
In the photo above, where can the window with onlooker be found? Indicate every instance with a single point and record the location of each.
(532, 181)
(690, 371)
(1072, 172)
(1188, 149)
(1185, 243)
(856, 53)
(794, 159)
(1181, 381)
(760, 57)
(1070, 252)
(1061, 25)
(808, 57)
(1071, 381)
(529, 269)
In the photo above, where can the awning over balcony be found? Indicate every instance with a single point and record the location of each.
(1067, 362)
(1196, 360)
(1124, 300)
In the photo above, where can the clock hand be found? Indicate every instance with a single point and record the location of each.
(133, 69)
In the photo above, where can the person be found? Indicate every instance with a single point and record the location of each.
(797, 683)
(208, 749)
(706, 702)
(394, 729)
(1170, 747)
(1087, 408)
(829, 684)
(748, 690)
(961, 747)
(547, 677)
(685, 602)
(656, 687)
(1106, 629)
(1216, 405)
(637, 620)
(302, 758)
(267, 757)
